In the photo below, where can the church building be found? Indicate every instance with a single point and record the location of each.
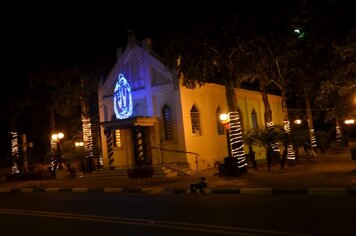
(148, 117)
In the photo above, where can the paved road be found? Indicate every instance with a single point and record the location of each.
(142, 214)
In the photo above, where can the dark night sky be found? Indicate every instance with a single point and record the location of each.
(37, 35)
(53, 35)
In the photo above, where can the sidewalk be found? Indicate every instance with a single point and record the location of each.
(326, 174)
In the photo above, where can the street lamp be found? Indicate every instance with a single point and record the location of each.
(297, 121)
(79, 144)
(57, 137)
(349, 121)
(224, 118)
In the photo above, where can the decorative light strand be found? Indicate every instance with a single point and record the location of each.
(236, 142)
(313, 138)
(14, 152)
(286, 126)
(338, 133)
(123, 106)
(87, 138)
(274, 145)
(290, 149)
(139, 144)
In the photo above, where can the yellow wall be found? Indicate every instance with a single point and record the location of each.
(207, 99)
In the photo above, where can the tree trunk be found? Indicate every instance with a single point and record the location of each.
(338, 130)
(286, 126)
(236, 142)
(52, 127)
(268, 119)
(87, 133)
(310, 124)
(268, 111)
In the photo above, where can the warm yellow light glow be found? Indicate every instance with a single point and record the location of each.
(349, 121)
(79, 144)
(224, 117)
(297, 121)
(57, 136)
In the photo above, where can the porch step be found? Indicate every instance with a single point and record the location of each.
(158, 172)
(163, 171)
(117, 173)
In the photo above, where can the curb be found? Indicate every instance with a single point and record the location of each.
(277, 191)
(158, 190)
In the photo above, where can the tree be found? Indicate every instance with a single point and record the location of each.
(337, 91)
(260, 68)
(316, 25)
(70, 91)
(212, 52)
(267, 137)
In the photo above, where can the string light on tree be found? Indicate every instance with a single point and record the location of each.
(313, 138)
(237, 147)
(87, 138)
(274, 145)
(15, 152)
(290, 151)
(338, 130)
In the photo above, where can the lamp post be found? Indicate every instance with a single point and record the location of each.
(224, 118)
(349, 122)
(79, 147)
(57, 137)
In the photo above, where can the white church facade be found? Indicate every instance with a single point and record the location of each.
(149, 118)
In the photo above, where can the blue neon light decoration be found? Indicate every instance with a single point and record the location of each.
(122, 98)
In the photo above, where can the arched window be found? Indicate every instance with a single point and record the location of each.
(195, 120)
(254, 119)
(167, 123)
(220, 127)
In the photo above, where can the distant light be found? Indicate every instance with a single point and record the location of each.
(60, 135)
(297, 31)
(297, 121)
(79, 144)
(57, 136)
(349, 121)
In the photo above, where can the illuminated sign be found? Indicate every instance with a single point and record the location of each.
(122, 98)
